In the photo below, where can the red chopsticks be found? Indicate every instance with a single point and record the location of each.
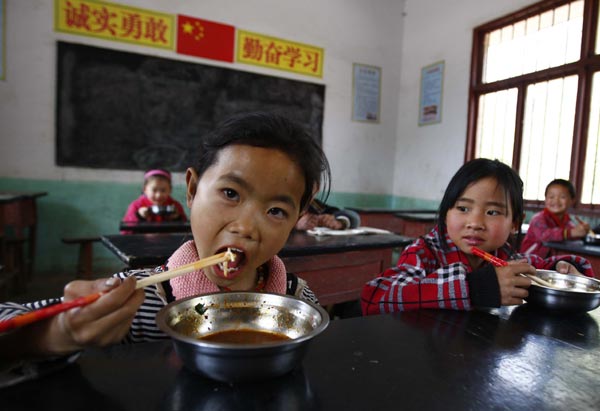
(46, 312)
(488, 257)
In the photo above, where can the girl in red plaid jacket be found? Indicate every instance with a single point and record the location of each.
(482, 207)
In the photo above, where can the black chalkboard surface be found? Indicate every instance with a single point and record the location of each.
(129, 111)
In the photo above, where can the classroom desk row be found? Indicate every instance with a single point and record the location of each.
(578, 247)
(503, 359)
(411, 223)
(336, 267)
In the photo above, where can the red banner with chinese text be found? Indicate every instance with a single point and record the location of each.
(203, 38)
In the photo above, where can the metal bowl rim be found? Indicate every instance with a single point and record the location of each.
(569, 291)
(161, 321)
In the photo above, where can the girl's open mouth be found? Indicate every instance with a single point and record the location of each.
(230, 268)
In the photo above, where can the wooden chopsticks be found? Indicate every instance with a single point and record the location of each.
(46, 312)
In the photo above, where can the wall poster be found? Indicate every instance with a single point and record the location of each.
(430, 100)
(366, 92)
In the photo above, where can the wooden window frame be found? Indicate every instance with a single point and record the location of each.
(584, 68)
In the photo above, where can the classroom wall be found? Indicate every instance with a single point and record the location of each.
(383, 164)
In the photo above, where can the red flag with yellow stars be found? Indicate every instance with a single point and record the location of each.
(203, 38)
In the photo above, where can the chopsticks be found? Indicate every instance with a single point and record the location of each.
(501, 263)
(46, 312)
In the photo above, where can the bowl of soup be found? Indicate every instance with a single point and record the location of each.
(242, 336)
(565, 292)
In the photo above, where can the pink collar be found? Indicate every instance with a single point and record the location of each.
(197, 282)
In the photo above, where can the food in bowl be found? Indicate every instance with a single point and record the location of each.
(194, 324)
(567, 293)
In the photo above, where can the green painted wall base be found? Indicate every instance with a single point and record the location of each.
(87, 209)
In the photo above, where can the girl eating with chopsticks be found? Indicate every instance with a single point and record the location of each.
(255, 175)
(482, 207)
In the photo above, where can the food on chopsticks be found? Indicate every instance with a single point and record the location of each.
(52, 310)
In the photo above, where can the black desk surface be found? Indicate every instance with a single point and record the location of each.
(412, 216)
(155, 227)
(575, 247)
(507, 359)
(142, 250)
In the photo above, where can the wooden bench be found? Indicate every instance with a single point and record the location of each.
(86, 254)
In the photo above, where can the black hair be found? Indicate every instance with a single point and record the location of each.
(478, 169)
(560, 182)
(270, 130)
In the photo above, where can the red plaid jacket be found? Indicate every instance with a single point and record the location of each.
(428, 276)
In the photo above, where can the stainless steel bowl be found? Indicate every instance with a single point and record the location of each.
(297, 319)
(569, 292)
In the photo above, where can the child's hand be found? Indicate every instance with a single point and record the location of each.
(308, 221)
(104, 322)
(143, 212)
(564, 267)
(581, 229)
(513, 286)
(329, 221)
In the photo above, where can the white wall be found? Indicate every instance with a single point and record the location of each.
(349, 31)
(401, 36)
(434, 30)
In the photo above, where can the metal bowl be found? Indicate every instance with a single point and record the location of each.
(570, 292)
(186, 321)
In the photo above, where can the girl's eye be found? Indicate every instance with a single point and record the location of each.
(278, 212)
(462, 209)
(230, 193)
(494, 212)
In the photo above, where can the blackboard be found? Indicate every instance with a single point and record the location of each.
(122, 110)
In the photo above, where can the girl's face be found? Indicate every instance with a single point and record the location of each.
(558, 199)
(481, 217)
(249, 200)
(157, 190)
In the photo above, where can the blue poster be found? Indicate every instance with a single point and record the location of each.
(430, 101)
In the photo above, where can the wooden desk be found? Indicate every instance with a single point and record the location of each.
(18, 221)
(336, 268)
(577, 247)
(399, 221)
(416, 224)
(155, 227)
(506, 359)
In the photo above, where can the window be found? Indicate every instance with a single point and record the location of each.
(534, 100)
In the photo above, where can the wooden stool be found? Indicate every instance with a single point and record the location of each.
(86, 254)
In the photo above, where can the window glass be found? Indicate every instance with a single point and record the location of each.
(547, 134)
(496, 125)
(590, 192)
(550, 39)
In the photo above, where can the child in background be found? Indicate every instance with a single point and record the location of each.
(320, 214)
(482, 207)
(553, 223)
(155, 203)
(254, 176)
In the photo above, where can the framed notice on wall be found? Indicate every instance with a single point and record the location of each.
(366, 91)
(2, 38)
(430, 101)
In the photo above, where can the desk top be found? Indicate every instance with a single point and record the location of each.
(155, 226)
(143, 250)
(575, 247)
(411, 216)
(12, 196)
(505, 359)
(379, 210)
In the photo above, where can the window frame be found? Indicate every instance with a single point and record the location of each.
(584, 68)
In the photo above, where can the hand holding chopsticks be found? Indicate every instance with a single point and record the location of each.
(46, 312)
(501, 263)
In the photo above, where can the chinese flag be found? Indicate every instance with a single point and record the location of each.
(203, 38)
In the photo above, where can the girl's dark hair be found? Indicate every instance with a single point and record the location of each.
(474, 171)
(560, 182)
(270, 130)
